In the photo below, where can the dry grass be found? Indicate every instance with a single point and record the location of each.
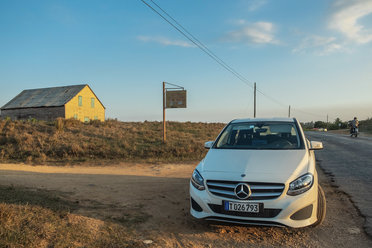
(70, 141)
(30, 218)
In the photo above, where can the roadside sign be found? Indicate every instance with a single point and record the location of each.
(175, 99)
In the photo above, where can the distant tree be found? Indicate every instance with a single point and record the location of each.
(366, 125)
(307, 125)
(339, 124)
(333, 126)
(344, 125)
(320, 124)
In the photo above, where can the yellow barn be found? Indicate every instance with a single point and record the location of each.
(75, 101)
(85, 106)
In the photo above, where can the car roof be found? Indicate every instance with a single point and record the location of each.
(275, 119)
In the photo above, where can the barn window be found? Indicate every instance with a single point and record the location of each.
(80, 101)
(75, 116)
(92, 102)
(86, 119)
(96, 117)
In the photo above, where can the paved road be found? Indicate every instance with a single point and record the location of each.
(349, 161)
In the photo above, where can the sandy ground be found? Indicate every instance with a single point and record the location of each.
(153, 201)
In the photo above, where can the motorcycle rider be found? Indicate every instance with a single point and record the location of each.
(354, 126)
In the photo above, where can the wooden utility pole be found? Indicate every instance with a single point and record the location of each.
(289, 111)
(254, 111)
(164, 126)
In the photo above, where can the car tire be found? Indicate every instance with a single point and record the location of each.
(322, 207)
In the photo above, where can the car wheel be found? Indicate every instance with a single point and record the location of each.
(322, 206)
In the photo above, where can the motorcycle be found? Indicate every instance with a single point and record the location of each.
(354, 132)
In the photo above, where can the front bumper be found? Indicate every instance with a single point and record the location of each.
(293, 211)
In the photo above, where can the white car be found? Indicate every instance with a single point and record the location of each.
(259, 172)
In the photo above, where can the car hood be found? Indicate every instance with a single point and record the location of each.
(257, 165)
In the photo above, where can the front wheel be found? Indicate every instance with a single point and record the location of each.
(322, 207)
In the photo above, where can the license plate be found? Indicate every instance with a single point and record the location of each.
(242, 207)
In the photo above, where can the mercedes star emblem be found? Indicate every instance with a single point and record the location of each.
(242, 191)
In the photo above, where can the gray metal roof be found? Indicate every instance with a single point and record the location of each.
(45, 97)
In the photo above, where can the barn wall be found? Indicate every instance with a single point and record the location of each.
(85, 111)
(45, 113)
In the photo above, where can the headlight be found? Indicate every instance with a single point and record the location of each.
(197, 180)
(301, 184)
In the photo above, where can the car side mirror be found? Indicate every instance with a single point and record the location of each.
(208, 145)
(316, 145)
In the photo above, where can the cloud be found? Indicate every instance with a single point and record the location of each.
(346, 19)
(254, 5)
(239, 22)
(319, 45)
(256, 33)
(165, 41)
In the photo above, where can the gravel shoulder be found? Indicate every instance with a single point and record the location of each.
(153, 200)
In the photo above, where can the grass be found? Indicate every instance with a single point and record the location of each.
(70, 141)
(30, 218)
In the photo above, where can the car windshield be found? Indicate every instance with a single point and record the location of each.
(259, 135)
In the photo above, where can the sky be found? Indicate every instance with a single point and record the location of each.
(314, 55)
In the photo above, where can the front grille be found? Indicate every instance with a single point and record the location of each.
(265, 213)
(260, 191)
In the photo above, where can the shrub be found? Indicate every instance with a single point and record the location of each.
(59, 123)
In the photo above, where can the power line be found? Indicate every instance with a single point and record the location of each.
(309, 113)
(204, 46)
(219, 61)
(272, 99)
(212, 55)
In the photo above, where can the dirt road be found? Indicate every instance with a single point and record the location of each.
(153, 201)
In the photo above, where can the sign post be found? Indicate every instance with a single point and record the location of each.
(172, 98)
(164, 126)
